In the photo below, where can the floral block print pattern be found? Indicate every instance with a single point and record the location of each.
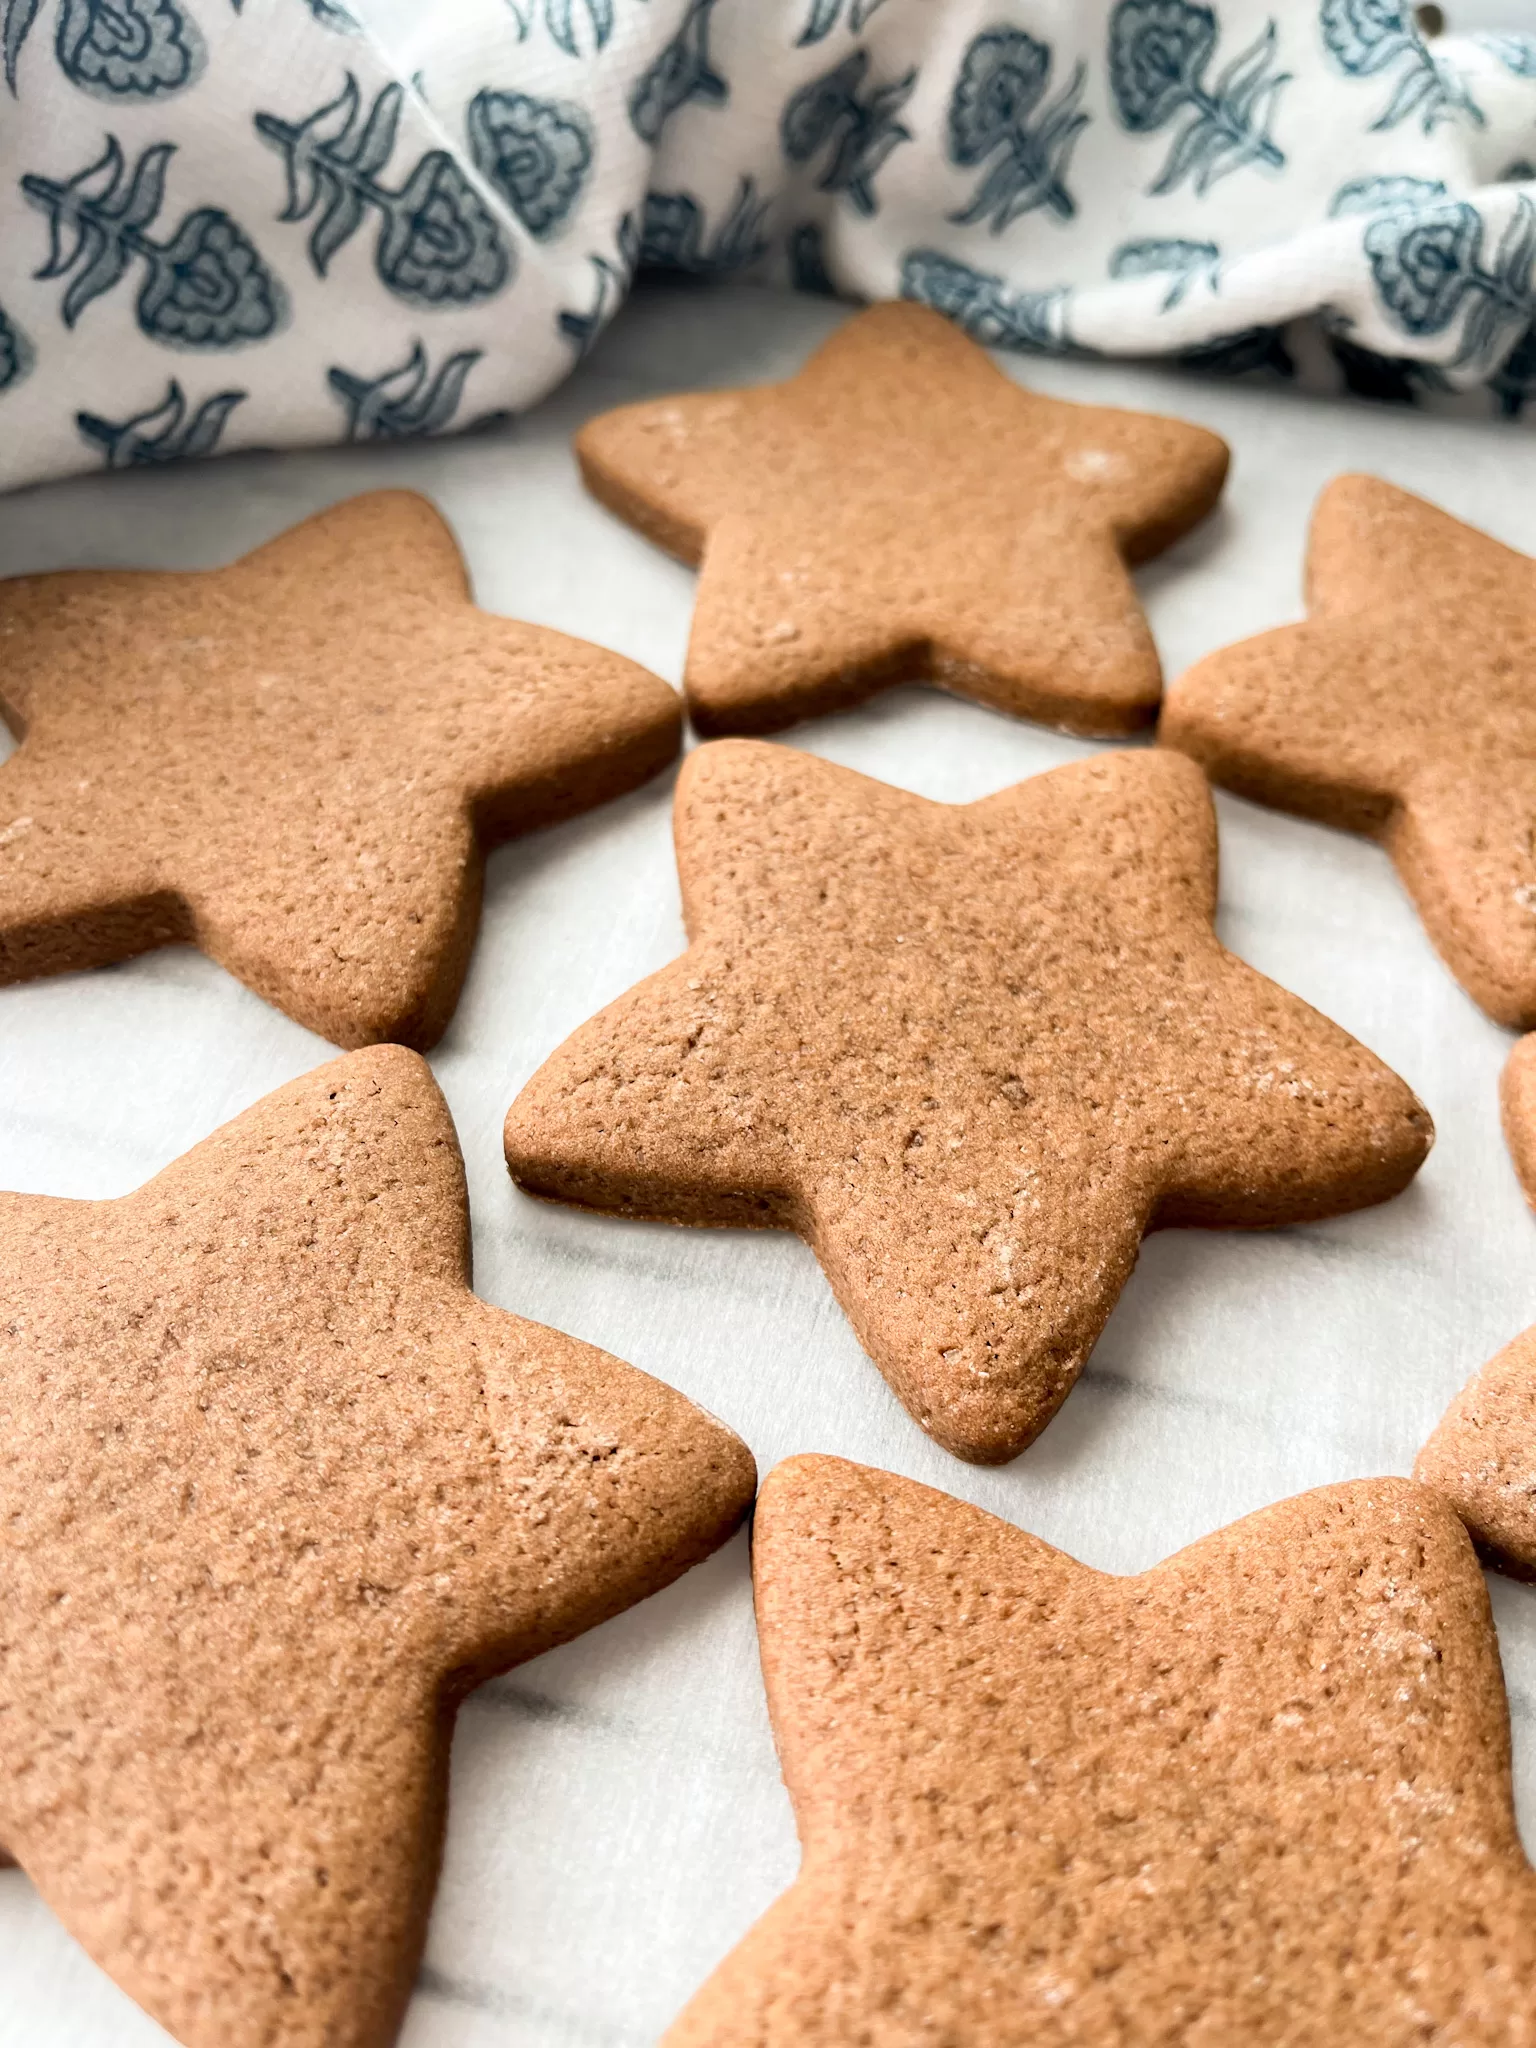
(398, 243)
(1160, 57)
(404, 402)
(1370, 38)
(163, 432)
(848, 121)
(203, 285)
(116, 49)
(437, 239)
(999, 115)
(537, 153)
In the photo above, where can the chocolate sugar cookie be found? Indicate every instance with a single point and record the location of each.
(1405, 708)
(295, 763)
(971, 1053)
(1258, 1794)
(1482, 1456)
(276, 1491)
(900, 510)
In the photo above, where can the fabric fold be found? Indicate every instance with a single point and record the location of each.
(227, 225)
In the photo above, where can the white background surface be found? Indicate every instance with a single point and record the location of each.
(617, 1820)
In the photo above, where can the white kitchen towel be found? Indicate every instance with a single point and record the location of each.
(236, 223)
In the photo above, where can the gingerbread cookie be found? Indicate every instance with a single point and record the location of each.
(1403, 708)
(295, 763)
(971, 1053)
(1482, 1455)
(899, 511)
(1517, 1101)
(1260, 1793)
(277, 1490)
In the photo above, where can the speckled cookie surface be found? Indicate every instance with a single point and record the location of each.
(971, 1053)
(295, 763)
(276, 1489)
(1259, 1794)
(902, 510)
(1403, 708)
(1482, 1456)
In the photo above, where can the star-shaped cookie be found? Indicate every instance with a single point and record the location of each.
(1482, 1455)
(1405, 708)
(295, 763)
(900, 510)
(971, 1053)
(276, 1490)
(1259, 1794)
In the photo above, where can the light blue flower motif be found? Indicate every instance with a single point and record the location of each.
(1385, 195)
(1184, 264)
(1517, 53)
(861, 131)
(1424, 265)
(575, 25)
(205, 288)
(826, 14)
(116, 49)
(16, 19)
(673, 233)
(164, 433)
(438, 244)
(610, 282)
(1365, 37)
(208, 288)
(143, 49)
(1427, 264)
(16, 356)
(984, 305)
(1159, 51)
(1002, 79)
(406, 402)
(537, 154)
(681, 73)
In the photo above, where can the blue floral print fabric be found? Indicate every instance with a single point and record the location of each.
(237, 223)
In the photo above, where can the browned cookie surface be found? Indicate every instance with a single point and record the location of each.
(971, 1053)
(1405, 707)
(276, 1489)
(1482, 1455)
(296, 763)
(1517, 1101)
(1259, 1794)
(901, 509)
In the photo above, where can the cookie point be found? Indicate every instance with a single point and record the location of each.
(395, 506)
(721, 758)
(387, 1058)
(804, 1475)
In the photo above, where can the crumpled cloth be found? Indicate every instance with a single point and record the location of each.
(235, 223)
